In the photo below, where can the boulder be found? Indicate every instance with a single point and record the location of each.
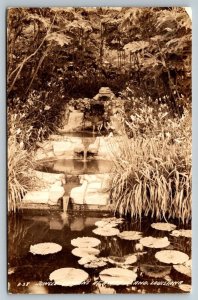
(61, 148)
(55, 193)
(50, 177)
(36, 197)
(77, 194)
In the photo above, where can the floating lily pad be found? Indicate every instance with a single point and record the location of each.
(185, 288)
(111, 222)
(86, 259)
(93, 262)
(83, 252)
(171, 257)
(182, 232)
(118, 276)
(185, 268)
(69, 277)
(152, 242)
(106, 231)
(163, 226)
(130, 235)
(45, 248)
(124, 260)
(155, 271)
(84, 242)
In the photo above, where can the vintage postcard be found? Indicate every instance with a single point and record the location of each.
(99, 111)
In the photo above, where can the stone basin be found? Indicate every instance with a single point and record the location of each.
(76, 166)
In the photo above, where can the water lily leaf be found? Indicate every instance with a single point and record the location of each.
(84, 242)
(163, 226)
(45, 248)
(185, 287)
(130, 235)
(171, 257)
(86, 259)
(83, 252)
(124, 260)
(92, 261)
(69, 276)
(182, 232)
(153, 242)
(111, 222)
(106, 231)
(155, 271)
(105, 224)
(185, 268)
(118, 276)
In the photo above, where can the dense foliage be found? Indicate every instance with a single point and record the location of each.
(55, 54)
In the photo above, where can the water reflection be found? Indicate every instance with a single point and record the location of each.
(77, 166)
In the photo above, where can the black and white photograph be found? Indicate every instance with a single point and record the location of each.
(99, 150)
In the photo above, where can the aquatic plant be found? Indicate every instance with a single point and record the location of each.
(153, 174)
(106, 231)
(130, 235)
(171, 257)
(163, 226)
(45, 248)
(118, 276)
(83, 252)
(152, 242)
(85, 241)
(69, 277)
(182, 232)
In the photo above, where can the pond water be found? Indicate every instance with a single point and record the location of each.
(29, 273)
(76, 166)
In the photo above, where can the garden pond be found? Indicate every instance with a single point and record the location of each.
(29, 272)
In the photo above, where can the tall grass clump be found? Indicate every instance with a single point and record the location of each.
(20, 166)
(153, 175)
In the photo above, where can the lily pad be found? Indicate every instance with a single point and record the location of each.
(83, 252)
(185, 268)
(84, 242)
(45, 248)
(69, 277)
(171, 257)
(155, 271)
(182, 232)
(152, 242)
(124, 260)
(163, 226)
(86, 259)
(93, 262)
(118, 276)
(106, 231)
(185, 288)
(130, 235)
(111, 222)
